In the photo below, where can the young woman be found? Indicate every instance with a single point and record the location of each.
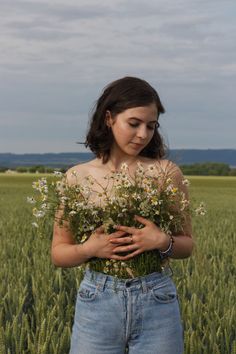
(141, 314)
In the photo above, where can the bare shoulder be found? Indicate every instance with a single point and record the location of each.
(168, 165)
(177, 177)
(78, 172)
(168, 169)
(163, 164)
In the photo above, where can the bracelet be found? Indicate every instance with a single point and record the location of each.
(169, 250)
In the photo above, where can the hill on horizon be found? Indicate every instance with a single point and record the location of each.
(67, 159)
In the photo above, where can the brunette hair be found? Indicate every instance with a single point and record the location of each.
(128, 92)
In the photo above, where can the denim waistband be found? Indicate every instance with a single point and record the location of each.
(102, 280)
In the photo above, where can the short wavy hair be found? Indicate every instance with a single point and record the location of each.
(127, 92)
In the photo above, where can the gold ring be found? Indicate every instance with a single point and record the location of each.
(131, 239)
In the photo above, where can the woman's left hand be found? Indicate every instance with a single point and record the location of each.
(139, 240)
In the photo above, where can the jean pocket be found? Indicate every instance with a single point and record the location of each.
(164, 293)
(87, 292)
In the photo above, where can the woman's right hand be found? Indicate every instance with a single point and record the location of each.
(99, 245)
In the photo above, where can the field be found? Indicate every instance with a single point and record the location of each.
(37, 299)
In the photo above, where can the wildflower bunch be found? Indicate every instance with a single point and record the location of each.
(154, 198)
(146, 193)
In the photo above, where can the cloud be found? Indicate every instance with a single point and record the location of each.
(57, 56)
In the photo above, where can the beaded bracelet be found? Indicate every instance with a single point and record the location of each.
(169, 250)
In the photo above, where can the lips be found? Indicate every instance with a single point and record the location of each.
(137, 145)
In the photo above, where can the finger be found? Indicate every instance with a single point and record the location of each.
(142, 220)
(128, 248)
(100, 230)
(127, 257)
(118, 234)
(121, 240)
(128, 229)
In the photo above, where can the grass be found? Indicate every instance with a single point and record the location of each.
(37, 299)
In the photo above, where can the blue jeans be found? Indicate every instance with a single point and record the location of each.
(135, 316)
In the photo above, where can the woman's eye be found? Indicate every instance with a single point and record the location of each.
(136, 125)
(133, 125)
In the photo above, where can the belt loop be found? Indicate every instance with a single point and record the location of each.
(88, 273)
(102, 282)
(144, 285)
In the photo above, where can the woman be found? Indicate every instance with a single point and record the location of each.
(141, 314)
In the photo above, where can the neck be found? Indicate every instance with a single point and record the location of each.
(114, 163)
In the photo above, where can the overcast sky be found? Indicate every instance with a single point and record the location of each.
(57, 56)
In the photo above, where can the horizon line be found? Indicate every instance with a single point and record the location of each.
(90, 152)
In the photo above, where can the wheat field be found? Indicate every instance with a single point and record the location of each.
(37, 299)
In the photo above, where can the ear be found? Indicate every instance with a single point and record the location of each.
(108, 119)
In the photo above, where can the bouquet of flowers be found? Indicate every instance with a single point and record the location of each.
(153, 197)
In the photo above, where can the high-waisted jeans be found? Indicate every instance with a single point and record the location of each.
(135, 316)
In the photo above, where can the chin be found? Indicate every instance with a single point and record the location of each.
(133, 153)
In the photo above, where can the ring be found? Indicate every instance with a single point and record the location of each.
(131, 239)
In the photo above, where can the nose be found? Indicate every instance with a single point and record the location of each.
(142, 133)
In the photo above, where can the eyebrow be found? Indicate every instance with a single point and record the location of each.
(140, 120)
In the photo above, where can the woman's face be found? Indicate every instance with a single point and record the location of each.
(133, 129)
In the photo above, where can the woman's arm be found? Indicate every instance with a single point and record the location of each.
(182, 246)
(183, 241)
(64, 251)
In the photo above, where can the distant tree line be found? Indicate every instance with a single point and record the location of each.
(33, 169)
(200, 169)
(208, 169)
